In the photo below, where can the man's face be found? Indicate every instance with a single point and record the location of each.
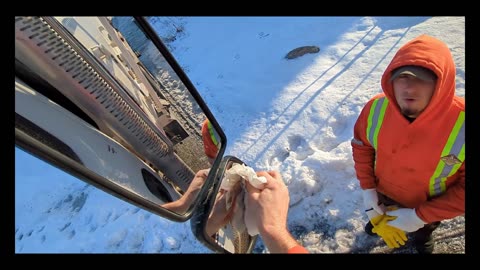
(412, 94)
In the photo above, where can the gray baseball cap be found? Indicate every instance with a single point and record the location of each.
(422, 73)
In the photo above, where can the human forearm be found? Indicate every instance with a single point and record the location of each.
(178, 206)
(363, 152)
(364, 160)
(182, 204)
(269, 207)
(278, 240)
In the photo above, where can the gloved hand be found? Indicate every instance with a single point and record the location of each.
(376, 220)
(407, 219)
(372, 214)
(375, 217)
(370, 200)
(392, 236)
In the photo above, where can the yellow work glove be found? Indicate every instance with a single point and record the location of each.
(376, 220)
(393, 237)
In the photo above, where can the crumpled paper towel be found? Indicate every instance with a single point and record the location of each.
(237, 175)
(240, 171)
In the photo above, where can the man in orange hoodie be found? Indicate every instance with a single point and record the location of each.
(409, 143)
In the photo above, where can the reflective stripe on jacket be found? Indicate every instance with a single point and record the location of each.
(453, 153)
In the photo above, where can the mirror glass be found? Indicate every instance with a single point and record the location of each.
(224, 228)
(95, 97)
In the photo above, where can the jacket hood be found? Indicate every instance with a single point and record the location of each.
(431, 53)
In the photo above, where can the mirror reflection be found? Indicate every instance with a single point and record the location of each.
(110, 75)
(159, 92)
(194, 139)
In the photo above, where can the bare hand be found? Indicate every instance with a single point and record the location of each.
(269, 205)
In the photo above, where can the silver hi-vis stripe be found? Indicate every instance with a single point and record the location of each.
(452, 157)
(375, 120)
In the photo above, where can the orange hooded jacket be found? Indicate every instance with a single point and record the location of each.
(210, 140)
(408, 153)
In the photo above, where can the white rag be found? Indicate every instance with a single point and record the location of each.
(237, 175)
